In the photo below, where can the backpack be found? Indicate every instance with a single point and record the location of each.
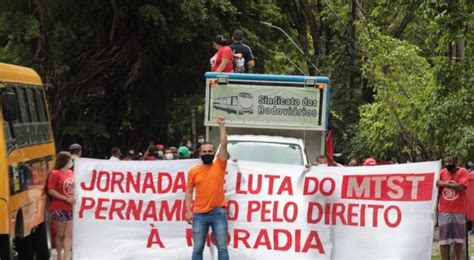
(239, 63)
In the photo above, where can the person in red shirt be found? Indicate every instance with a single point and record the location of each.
(61, 190)
(452, 208)
(223, 60)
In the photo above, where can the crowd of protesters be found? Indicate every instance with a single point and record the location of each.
(323, 160)
(159, 152)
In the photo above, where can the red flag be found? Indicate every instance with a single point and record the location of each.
(329, 150)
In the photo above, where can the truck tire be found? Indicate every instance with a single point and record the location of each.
(6, 248)
(40, 242)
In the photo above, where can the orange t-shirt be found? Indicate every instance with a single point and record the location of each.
(209, 184)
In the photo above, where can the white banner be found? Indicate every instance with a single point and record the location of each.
(136, 210)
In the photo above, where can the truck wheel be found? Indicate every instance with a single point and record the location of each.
(6, 248)
(40, 241)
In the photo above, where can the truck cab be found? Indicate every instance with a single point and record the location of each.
(269, 118)
(268, 149)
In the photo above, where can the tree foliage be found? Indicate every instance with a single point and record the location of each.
(122, 73)
(403, 82)
(423, 94)
(119, 73)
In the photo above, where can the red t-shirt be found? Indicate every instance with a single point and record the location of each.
(216, 60)
(453, 201)
(62, 182)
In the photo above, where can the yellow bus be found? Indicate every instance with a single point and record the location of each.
(27, 153)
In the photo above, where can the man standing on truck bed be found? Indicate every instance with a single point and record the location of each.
(209, 203)
(243, 56)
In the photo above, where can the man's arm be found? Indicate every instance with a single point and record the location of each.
(441, 184)
(451, 185)
(456, 186)
(250, 58)
(188, 198)
(251, 64)
(223, 154)
(147, 150)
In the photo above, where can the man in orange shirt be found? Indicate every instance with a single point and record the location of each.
(209, 203)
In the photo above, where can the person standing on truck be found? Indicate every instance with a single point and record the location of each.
(207, 178)
(61, 190)
(243, 56)
(452, 208)
(223, 60)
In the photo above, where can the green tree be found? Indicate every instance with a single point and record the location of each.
(403, 82)
(116, 71)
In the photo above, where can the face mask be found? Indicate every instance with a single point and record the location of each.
(323, 165)
(160, 154)
(207, 158)
(200, 141)
(451, 167)
(169, 156)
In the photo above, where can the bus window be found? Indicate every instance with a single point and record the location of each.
(19, 132)
(41, 111)
(20, 129)
(41, 106)
(30, 93)
(7, 129)
(20, 114)
(33, 109)
(23, 102)
(8, 132)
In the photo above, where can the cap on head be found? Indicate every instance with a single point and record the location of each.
(183, 152)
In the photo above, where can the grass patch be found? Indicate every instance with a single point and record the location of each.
(435, 255)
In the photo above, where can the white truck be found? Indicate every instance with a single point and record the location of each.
(269, 118)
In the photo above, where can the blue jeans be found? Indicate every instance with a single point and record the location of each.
(217, 219)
